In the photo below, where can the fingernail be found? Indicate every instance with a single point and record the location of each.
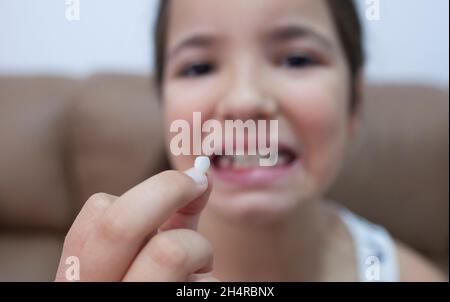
(197, 176)
(197, 173)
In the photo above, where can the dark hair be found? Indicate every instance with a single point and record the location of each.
(345, 18)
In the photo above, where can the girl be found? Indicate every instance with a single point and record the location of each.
(295, 61)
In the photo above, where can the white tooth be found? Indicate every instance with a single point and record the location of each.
(255, 160)
(239, 161)
(235, 162)
(230, 161)
(248, 160)
(202, 164)
(245, 161)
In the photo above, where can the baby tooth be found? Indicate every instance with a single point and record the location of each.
(202, 164)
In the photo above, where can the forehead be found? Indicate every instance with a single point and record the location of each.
(245, 18)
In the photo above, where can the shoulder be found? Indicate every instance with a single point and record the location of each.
(415, 268)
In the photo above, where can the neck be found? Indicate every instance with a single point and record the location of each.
(286, 250)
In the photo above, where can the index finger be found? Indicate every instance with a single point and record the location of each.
(187, 217)
(134, 217)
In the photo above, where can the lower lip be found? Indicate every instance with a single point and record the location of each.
(260, 176)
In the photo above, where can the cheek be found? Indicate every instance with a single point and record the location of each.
(317, 109)
(183, 97)
(181, 100)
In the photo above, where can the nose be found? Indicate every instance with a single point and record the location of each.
(245, 98)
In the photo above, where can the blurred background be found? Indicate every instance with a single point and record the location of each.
(78, 115)
(409, 42)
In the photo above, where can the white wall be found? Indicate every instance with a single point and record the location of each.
(409, 42)
(35, 36)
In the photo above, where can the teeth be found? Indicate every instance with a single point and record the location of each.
(239, 161)
(248, 161)
(245, 161)
(254, 160)
(251, 161)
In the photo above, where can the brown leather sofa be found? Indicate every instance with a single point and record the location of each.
(63, 139)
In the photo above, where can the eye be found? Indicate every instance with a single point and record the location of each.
(298, 61)
(197, 69)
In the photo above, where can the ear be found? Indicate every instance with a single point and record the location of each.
(355, 116)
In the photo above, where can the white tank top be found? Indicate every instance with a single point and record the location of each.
(375, 249)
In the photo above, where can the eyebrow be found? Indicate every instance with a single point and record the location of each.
(290, 32)
(280, 34)
(194, 41)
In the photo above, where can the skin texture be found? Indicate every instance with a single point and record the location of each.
(251, 78)
(280, 232)
(249, 81)
(248, 78)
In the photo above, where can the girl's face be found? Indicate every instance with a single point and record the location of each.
(261, 60)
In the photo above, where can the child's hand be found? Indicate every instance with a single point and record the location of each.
(147, 234)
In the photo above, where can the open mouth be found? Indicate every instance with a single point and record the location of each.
(242, 162)
(247, 170)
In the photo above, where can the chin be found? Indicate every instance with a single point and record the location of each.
(254, 207)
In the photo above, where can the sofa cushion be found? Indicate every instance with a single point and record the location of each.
(115, 135)
(34, 191)
(396, 171)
